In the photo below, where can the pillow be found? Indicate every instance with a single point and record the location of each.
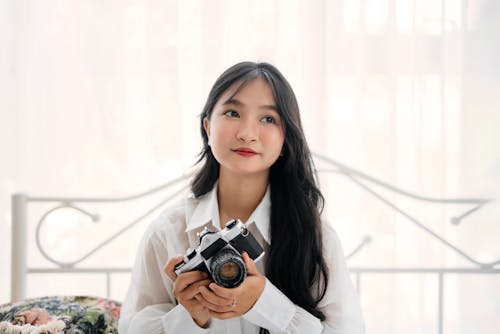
(60, 315)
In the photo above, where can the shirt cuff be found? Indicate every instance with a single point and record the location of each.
(273, 310)
(178, 320)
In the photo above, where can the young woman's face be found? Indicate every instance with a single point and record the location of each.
(245, 132)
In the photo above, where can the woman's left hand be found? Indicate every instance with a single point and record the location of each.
(224, 303)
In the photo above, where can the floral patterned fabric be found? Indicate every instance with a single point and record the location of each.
(61, 315)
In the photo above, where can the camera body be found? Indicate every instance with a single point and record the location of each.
(219, 254)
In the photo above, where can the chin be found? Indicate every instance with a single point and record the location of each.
(245, 171)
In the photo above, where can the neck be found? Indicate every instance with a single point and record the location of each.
(239, 196)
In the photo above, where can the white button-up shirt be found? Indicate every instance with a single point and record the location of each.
(151, 308)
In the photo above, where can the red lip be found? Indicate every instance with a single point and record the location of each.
(244, 151)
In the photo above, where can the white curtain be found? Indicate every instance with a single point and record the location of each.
(101, 98)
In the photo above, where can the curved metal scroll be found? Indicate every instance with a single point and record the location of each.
(355, 175)
(68, 203)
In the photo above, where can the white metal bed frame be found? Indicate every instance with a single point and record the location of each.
(20, 203)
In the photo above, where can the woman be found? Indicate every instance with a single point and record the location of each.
(257, 167)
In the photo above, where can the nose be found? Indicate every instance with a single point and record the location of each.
(248, 131)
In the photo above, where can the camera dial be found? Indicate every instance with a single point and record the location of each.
(191, 253)
(231, 224)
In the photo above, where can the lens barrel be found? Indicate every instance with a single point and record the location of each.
(227, 268)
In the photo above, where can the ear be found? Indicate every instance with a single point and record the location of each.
(206, 126)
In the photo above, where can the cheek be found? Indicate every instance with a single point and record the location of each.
(220, 133)
(278, 140)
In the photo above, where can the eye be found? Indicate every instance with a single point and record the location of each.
(231, 113)
(268, 119)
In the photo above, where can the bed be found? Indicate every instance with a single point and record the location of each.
(98, 312)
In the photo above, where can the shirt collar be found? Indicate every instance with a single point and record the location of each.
(261, 216)
(207, 212)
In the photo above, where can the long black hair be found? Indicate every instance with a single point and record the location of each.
(295, 262)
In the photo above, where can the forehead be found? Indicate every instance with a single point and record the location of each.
(253, 91)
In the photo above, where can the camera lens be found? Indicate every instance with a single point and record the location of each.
(229, 271)
(227, 268)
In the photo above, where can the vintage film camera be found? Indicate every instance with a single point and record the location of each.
(219, 254)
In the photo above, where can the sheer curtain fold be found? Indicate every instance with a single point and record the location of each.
(103, 98)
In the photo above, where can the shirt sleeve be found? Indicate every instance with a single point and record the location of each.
(275, 312)
(149, 306)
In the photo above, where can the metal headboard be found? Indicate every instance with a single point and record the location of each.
(21, 201)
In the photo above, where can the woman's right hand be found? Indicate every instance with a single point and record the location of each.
(186, 287)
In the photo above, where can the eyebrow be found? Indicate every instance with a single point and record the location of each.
(240, 104)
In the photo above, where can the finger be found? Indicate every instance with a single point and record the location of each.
(213, 307)
(251, 267)
(223, 315)
(213, 298)
(194, 306)
(186, 279)
(169, 267)
(191, 291)
(222, 292)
